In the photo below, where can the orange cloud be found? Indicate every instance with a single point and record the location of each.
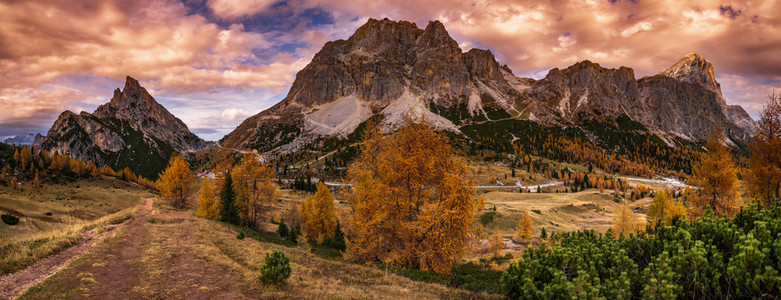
(646, 35)
(156, 40)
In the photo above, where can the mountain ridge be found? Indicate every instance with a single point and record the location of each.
(391, 68)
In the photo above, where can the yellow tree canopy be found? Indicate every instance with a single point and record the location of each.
(625, 221)
(764, 176)
(255, 189)
(663, 208)
(208, 205)
(716, 179)
(495, 242)
(319, 216)
(175, 181)
(413, 200)
(525, 226)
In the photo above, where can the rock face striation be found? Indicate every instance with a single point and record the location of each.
(132, 130)
(389, 69)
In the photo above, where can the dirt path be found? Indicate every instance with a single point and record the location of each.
(14, 284)
(154, 257)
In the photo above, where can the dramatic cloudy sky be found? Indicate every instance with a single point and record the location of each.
(215, 62)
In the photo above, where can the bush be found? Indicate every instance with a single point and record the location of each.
(240, 235)
(337, 242)
(710, 257)
(48, 213)
(10, 219)
(537, 211)
(282, 230)
(277, 268)
(488, 217)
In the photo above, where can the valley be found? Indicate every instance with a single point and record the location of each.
(402, 163)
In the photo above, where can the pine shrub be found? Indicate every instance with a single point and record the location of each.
(10, 219)
(276, 269)
(282, 230)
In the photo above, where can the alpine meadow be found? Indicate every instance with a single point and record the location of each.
(296, 149)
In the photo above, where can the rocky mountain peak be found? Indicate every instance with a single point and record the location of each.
(131, 130)
(435, 36)
(482, 64)
(695, 69)
(132, 96)
(391, 68)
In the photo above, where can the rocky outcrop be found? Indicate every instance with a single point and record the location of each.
(694, 69)
(390, 69)
(132, 130)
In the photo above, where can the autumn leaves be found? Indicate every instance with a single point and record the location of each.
(412, 199)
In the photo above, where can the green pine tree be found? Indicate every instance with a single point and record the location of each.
(228, 210)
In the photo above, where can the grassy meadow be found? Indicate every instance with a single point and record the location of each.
(53, 216)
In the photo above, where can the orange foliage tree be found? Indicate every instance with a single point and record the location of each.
(716, 179)
(764, 176)
(319, 216)
(412, 199)
(664, 208)
(625, 221)
(495, 242)
(255, 190)
(175, 181)
(525, 226)
(208, 206)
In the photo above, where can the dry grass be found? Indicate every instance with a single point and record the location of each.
(19, 252)
(312, 277)
(559, 212)
(47, 207)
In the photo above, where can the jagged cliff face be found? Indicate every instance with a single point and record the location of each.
(392, 68)
(132, 130)
(387, 68)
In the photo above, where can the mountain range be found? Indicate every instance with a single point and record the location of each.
(388, 69)
(22, 139)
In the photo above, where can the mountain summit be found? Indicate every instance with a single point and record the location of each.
(695, 69)
(132, 130)
(388, 69)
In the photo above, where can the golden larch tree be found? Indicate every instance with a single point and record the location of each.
(716, 179)
(36, 182)
(413, 201)
(318, 214)
(175, 181)
(25, 157)
(625, 221)
(208, 205)
(764, 176)
(255, 190)
(525, 226)
(495, 242)
(664, 208)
